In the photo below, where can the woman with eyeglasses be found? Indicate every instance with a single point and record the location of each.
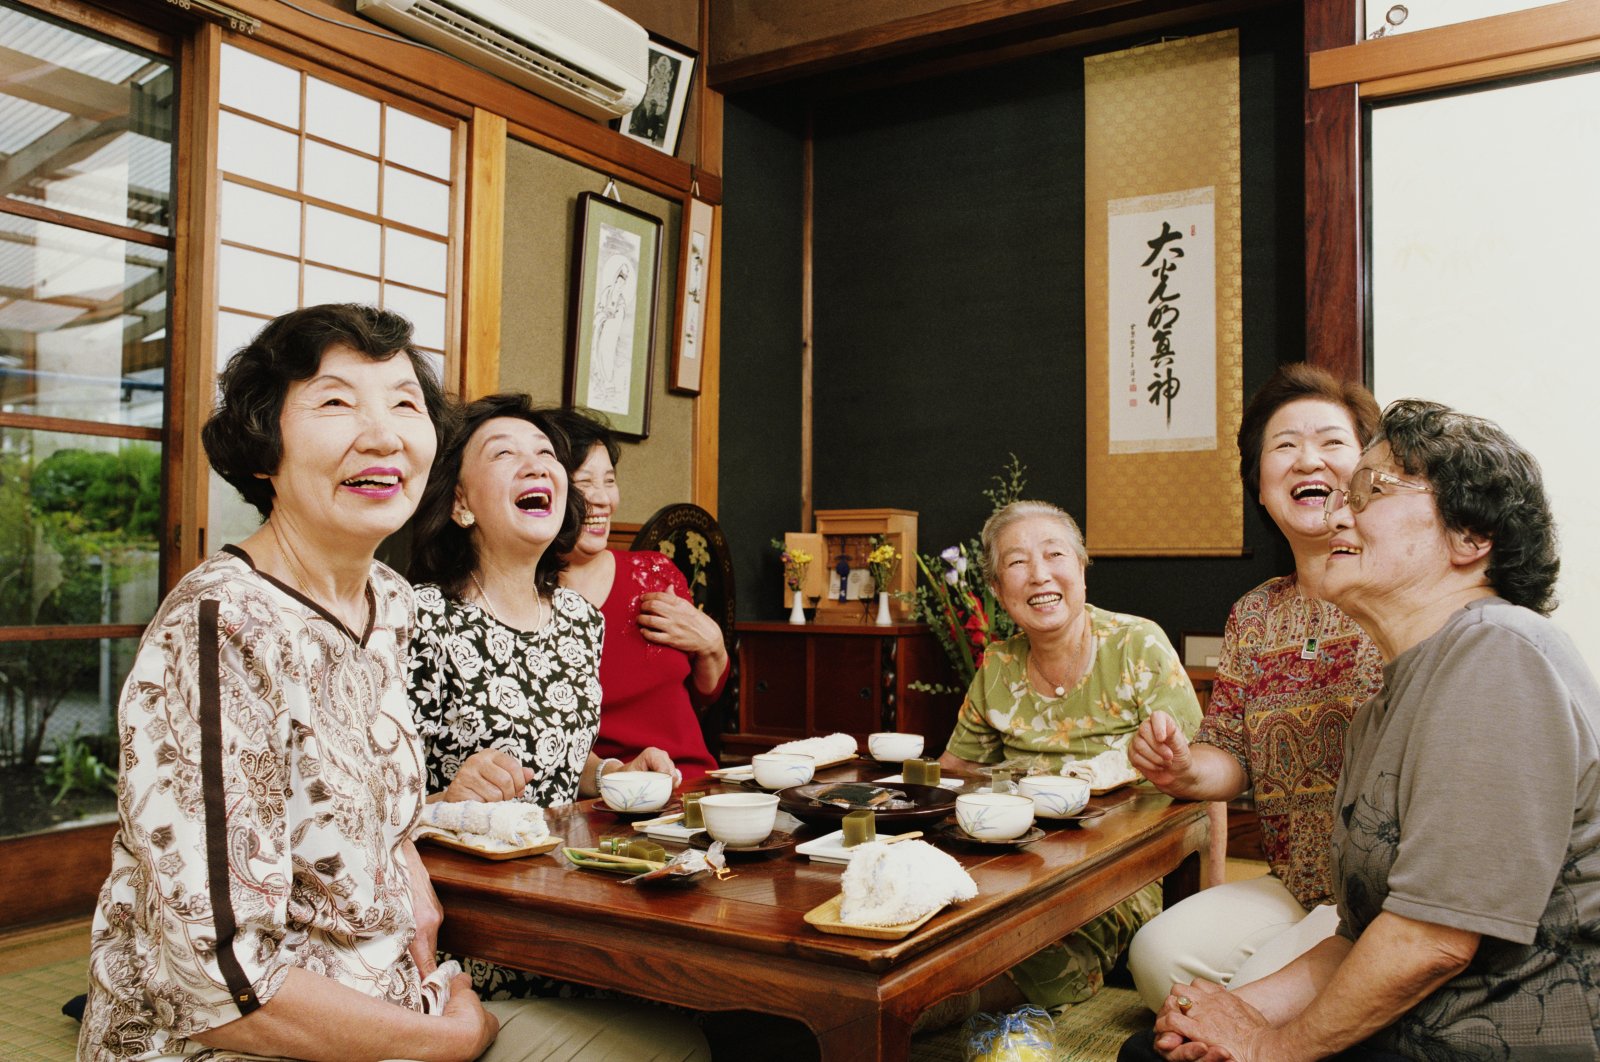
(1292, 672)
(1466, 844)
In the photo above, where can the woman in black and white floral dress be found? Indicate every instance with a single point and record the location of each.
(505, 663)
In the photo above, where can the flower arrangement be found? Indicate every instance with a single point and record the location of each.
(884, 560)
(795, 563)
(954, 598)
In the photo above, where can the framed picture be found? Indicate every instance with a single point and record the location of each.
(658, 119)
(694, 267)
(611, 332)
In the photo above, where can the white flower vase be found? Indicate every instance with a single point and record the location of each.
(797, 611)
(884, 618)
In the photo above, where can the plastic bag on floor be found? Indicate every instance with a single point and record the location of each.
(1027, 1034)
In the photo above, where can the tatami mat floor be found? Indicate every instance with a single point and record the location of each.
(42, 968)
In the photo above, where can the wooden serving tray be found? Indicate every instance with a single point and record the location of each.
(826, 918)
(546, 845)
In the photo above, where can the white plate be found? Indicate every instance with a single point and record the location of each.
(947, 783)
(829, 848)
(673, 831)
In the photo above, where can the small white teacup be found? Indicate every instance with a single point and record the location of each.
(893, 748)
(1055, 796)
(780, 770)
(635, 790)
(994, 816)
(739, 819)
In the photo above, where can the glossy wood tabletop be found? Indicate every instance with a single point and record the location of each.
(741, 943)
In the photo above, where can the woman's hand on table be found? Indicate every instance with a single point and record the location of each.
(489, 775)
(654, 759)
(1161, 753)
(1204, 1022)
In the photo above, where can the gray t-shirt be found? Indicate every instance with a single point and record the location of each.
(1469, 799)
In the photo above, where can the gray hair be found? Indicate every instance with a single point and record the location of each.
(1007, 515)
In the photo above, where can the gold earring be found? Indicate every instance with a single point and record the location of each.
(466, 519)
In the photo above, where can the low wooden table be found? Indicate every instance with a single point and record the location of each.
(741, 944)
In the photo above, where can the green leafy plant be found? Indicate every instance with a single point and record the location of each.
(76, 768)
(954, 598)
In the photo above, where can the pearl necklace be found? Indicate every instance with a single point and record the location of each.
(1074, 672)
(538, 604)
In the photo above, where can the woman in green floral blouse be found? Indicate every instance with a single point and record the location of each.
(1074, 684)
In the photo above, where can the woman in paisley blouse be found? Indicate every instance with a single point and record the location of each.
(505, 662)
(1293, 671)
(663, 656)
(264, 899)
(1074, 684)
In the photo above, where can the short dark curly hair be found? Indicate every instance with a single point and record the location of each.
(243, 437)
(1485, 484)
(443, 551)
(585, 430)
(1291, 383)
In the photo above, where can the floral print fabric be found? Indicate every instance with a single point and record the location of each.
(270, 769)
(478, 684)
(1284, 718)
(1134, 672)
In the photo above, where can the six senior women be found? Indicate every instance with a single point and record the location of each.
(663, 656)
(1466, 844)
(1076, 682)
(1293, 671)
(264, 898)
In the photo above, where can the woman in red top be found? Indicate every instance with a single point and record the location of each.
(662, 657)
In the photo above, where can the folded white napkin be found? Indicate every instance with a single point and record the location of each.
(1103, 771)
(505, 822)
(821, 749)
(891, 884)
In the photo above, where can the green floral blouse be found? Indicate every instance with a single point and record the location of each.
(1135, 672)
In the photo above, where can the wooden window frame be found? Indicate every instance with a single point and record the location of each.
(1343, 72)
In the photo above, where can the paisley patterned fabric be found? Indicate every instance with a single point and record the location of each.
(270, 769)
(478, 684)
(1285, 717)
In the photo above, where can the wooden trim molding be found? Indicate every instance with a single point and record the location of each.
(486, 215)
(68, 426)
(1499, 46)
(1335, 291)
(65, 869)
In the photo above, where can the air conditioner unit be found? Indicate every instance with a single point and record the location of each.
(578, 53)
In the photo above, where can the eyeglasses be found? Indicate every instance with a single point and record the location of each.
(1366, 484)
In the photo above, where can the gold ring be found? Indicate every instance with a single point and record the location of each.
(1184, 1003)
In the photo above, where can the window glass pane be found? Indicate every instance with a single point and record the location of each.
(342, 116)
(1385, 18)
(80, 528)
(416, 201)
(234, 330)
(341, 240)
(85, 124)
(250, 149)
(260, 86)
(229, 517)
(417, 143)
(340, 177)
(260, 219)
(259, 282)
(414, 260)
(426, 313)
(330, 285)
(1479, 260)
(63, 352)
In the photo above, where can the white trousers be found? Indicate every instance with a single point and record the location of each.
(1228, 934)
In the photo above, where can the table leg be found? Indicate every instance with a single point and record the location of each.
(868, 1034)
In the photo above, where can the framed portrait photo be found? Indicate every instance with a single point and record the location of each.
(694, 269)
(611, 325)
(658, 119)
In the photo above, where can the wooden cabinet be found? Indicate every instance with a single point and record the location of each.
(800, 681)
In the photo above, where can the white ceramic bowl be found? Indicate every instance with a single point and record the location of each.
(739, 818)
(892, 748)
(635, 790)
(994, 816)
(780, 770)
(1055, 796)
